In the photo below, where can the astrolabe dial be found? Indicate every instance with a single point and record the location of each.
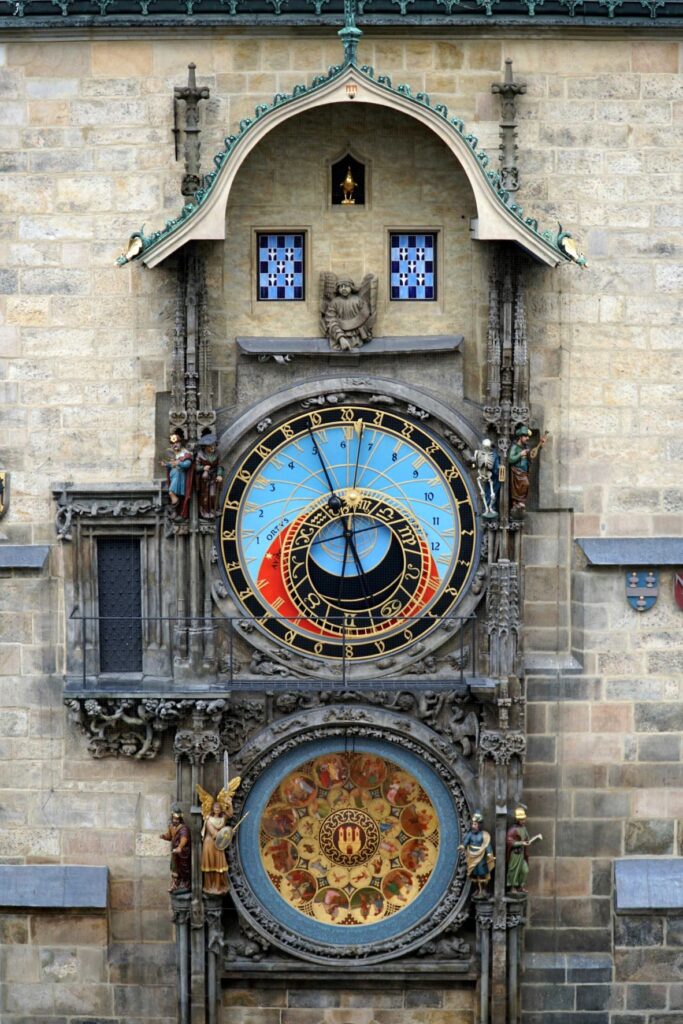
(348, 532)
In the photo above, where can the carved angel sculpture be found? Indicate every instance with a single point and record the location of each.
(347, 312)
(215, 813)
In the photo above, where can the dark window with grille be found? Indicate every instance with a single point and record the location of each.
(120, 604)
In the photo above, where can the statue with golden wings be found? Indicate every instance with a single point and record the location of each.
(215, 812)
(347, 310)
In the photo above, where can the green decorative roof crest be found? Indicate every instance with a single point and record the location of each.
(558, 243)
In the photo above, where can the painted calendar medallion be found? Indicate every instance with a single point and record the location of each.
(356, 855)
(370, 868)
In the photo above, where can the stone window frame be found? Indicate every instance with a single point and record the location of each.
(102, 512)
(437, 231)
(257, 302)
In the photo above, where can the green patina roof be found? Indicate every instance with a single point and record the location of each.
(556, 240)
(108, 13)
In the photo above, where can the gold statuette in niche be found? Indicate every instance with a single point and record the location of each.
(349, 839)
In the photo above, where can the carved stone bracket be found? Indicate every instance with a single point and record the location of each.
(104, 502)
(129, 727)
(502, 746)
(132, 727)
(213, 913)
(202, 738)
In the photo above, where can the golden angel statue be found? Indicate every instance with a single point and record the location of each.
(215, 812)
(347, 312)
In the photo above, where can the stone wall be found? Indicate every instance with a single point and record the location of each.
(87, 157)
(332, 1005)
(66, 967)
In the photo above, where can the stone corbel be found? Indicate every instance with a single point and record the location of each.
(128, 727)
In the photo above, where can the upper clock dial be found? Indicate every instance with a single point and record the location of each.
(349, 532)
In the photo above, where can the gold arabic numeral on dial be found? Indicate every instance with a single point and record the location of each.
(347, 415)
(378, 419)
(287, 430)
(290, 636)
(229, 535)
(245, 594)
(408, 634)
(408, 430)
(315, 419)
(380, 646)
(244, 475)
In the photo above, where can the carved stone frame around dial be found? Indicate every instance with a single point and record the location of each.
(359, 723)
(240, 435)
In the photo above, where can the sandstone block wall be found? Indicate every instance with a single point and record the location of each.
(86, 156)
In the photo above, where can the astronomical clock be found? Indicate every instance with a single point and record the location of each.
(349, 533)
(349, 545)
(320, 598)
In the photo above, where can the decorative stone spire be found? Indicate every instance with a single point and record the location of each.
(508, 89)
(191, 95)
(350, 35)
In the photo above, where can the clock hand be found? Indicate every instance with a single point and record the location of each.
(343, 572)
(340, 536)
(359, 569)
(359, 430)
(334, 501)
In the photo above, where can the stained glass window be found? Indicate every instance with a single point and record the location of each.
(413, 267)
(280, 267)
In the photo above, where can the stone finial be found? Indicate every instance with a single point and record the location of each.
(508, 90)
(190, 94)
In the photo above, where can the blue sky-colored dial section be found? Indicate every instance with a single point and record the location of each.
(331, 552)
(292, 481)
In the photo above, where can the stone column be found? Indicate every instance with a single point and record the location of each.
(484, 914)
(180, 908)
(213, 910)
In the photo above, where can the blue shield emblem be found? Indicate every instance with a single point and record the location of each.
(642, 588)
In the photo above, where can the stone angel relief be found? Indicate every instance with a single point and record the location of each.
(347, 312)
(215, 812)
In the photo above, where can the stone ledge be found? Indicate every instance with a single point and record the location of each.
(288, 348)
(23, 556)
(648, 884)
(53, 886)
(632, 551)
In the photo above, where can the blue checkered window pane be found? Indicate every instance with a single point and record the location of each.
(281, 268)
(413, 268)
